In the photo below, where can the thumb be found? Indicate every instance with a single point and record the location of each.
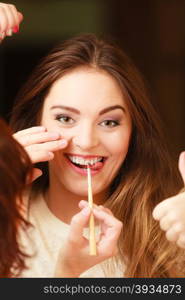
(182, 165)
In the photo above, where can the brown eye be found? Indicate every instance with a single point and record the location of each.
(110, 123)
(64, 119)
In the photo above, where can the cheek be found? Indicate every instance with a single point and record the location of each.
(50, 125)
(117, 144)
(47, 120)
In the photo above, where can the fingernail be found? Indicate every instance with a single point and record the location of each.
(62, 143)
(85, 211)
(16, 29)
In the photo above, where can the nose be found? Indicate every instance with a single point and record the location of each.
(86, 138)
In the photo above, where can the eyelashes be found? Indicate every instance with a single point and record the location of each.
(66, 120)
(111, 123)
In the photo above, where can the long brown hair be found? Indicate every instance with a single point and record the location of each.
(147, 175)
(15, 167)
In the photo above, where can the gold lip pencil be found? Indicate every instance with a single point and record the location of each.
(92, 240)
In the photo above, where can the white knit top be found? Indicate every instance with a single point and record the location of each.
(44, 240)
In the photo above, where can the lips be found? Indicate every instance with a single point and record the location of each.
(82, 169)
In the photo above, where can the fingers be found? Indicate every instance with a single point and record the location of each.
(3, 19)
(177, 234)
(105, 216)
(110, 232)
(111, 229)
(10, 20)
(44, 152)
(174, 232)
(39, 143)
(105, 209)
(167, 205)
(171, 212)
(182, 165)
(173, 223)
(84, 203)
(112, 226)
(181, 241)
(30, 130)
(160, 210)
(41, 137)
(171, 216)
(13, 16)
(78, 223)
(107, 243)
(168, 220)
(39, 156)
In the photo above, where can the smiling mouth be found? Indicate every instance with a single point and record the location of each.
(93, 163)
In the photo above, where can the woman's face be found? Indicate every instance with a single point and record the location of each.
(88, 109)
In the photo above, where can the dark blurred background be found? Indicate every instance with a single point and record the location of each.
(152, 32)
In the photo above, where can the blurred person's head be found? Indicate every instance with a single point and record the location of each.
(15, 168)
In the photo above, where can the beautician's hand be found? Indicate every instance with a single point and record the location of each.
(40, 145)
(171, 212)
(10, 20)
(74, 259)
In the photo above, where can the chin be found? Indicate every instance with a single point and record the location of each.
(81, 195)
(83, 192)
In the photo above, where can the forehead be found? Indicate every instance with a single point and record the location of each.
(85, 86)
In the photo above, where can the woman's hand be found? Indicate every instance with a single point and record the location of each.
(171, 212)
(40, 145)
(10, 20)
(74, 259)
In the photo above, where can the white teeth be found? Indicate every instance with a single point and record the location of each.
(81, 161)
(75, 160)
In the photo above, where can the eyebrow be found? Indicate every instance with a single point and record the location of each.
(103, 111)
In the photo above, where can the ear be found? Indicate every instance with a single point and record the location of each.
(182, 165)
